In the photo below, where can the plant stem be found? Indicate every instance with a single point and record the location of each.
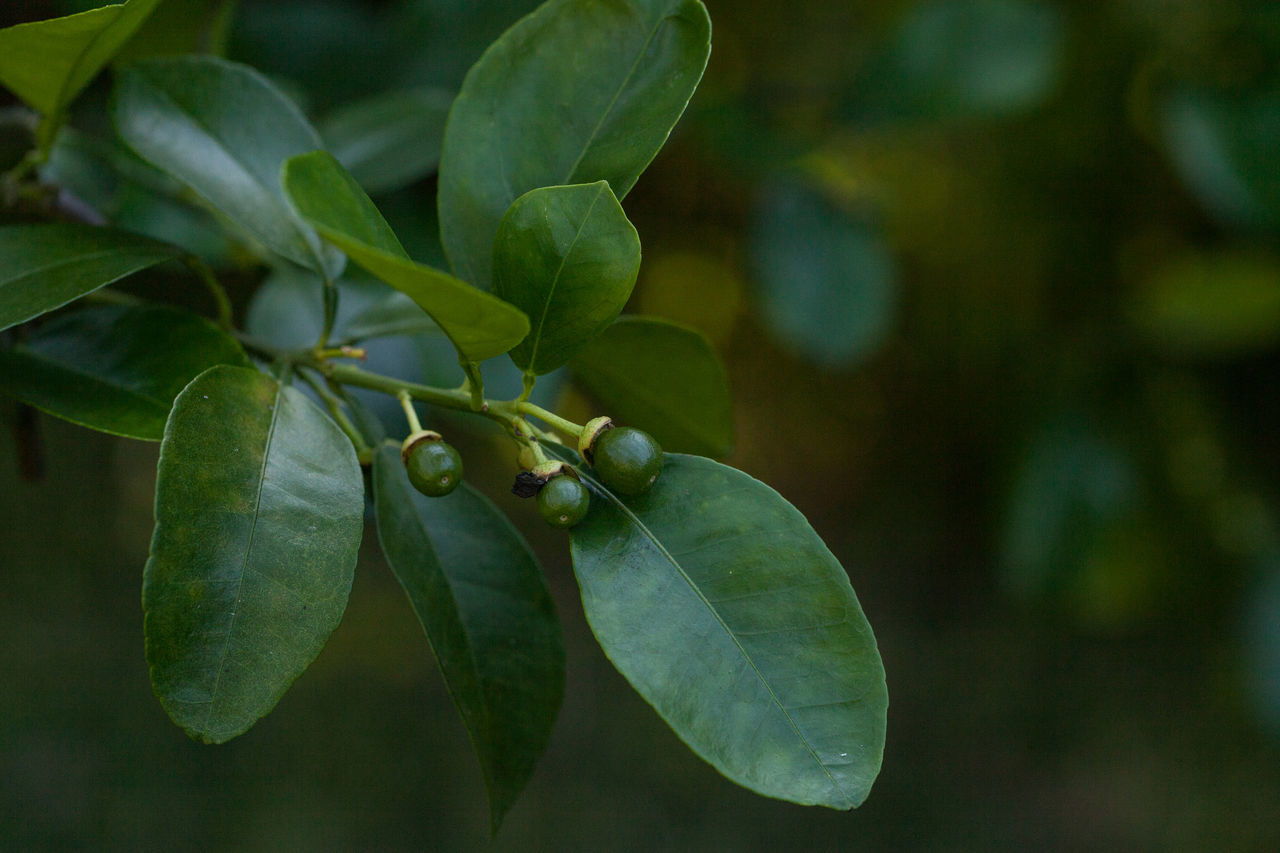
(330, 309)
(524, 407)
(475, 384)
(210, 280)
(334, 405)
(509, 413)
(346, 374)
(410, 414)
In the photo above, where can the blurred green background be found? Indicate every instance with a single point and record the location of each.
(998, 289)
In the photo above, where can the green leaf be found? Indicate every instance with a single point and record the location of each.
(390, 140)
(664, 378)
(182, 26)
(48, 63)
(826, 282)
(115, 368)
(722, 607)
(259, 514)
(577, 92)
(224, 130)
(394, 315)
(43, 267)
(568, 257)
(479, 324)
(133, 195)
(482, 599)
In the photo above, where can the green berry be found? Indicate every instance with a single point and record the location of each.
(434, 467)
(563, 501)
(628, 460)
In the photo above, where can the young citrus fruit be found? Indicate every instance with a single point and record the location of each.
(563, 501)
(434, 467)
(628, 460)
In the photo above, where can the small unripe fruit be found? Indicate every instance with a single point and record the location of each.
(627, 460)
(563, 501)
(434, 467)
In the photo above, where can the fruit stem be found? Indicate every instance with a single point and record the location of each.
(415, 425)
(334, 405)
(524, 407)
(210, 281)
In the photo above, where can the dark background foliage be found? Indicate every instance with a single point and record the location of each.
(997, 285)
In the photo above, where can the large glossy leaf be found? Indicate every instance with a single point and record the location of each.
(664, 378)
(479, 324)
(826, 282)
(115, 368)
(133, 195)
(48, 63)
(224, 130)
(577, 92)
(259, 514)
(287, 312)
(437, 42)
(182, 26)
(390, 140)
(43, 267)
(394, 315)
(568, 257)
(481, 597)
(723, 608)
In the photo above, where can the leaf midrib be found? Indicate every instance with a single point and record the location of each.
(407, 500)
(626, 80)
(84, 375)
(91, 256)
(59, 101)
(248, 551)
(555, 282)
(627, 513)
(217, 140)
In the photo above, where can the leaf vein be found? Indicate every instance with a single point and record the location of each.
(649, 534)
(248, 551)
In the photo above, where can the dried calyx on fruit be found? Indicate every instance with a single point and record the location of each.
(529, 482)
(563, 501)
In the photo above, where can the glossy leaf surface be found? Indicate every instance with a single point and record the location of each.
(183, 26)
(43, 267)
(134, 196)
(224, 130)
(48, 63)
(723, 608)
(826, 283)
(259, 513)
(481, 597)
(392, 316)
(390, 140)
(115, 368)
(663, 378)
(568, 257)
(324, 193)
(577, 92)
